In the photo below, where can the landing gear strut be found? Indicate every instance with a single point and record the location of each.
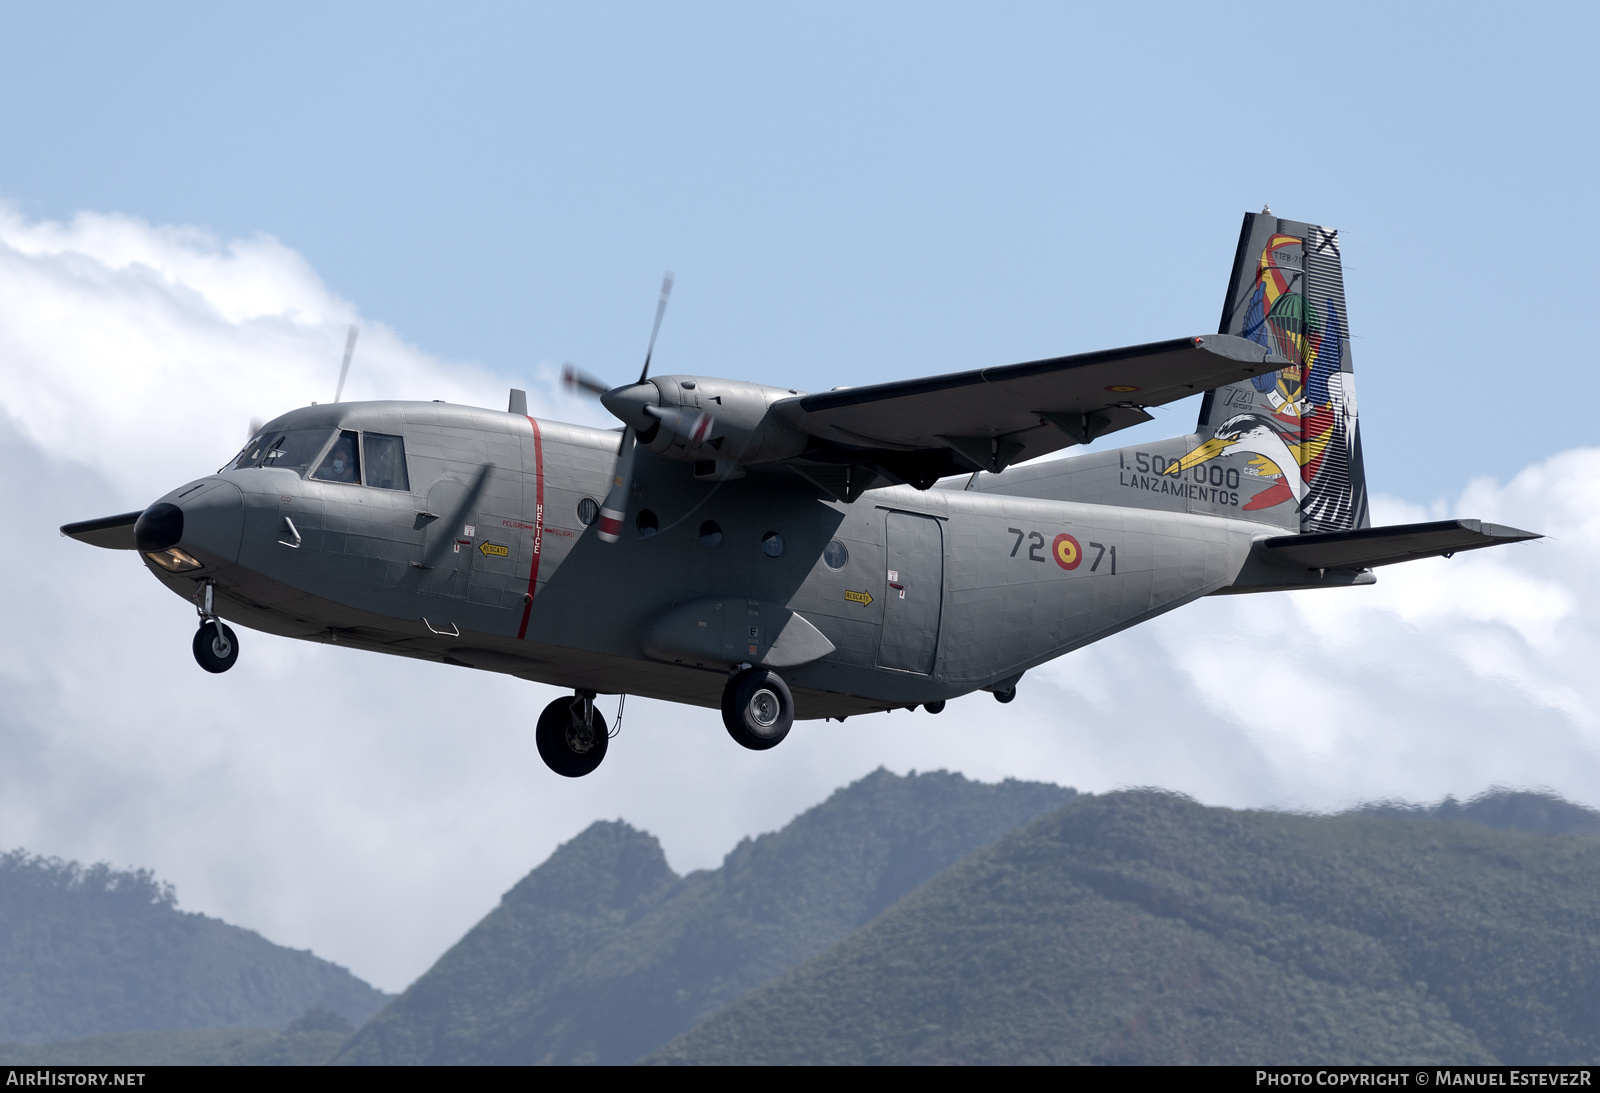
(757, 708)
(215, 646)
(572, 735)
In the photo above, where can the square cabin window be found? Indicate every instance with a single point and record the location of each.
(341, 464)
(386, 462)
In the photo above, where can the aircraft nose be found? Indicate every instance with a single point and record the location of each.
(160, 526)
(213, 521)
(205, 521)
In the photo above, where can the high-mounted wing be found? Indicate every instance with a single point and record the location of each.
(1367, 547)
(920, 430)
(111, 532)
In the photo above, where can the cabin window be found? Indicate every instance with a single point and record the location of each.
(341, 464)
(772, 544)
(588, 511)
(646, 523)
(710, 533)
(835, 556)
(294, 449)
(386, 461)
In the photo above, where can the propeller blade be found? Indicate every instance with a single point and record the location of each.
(615, 507)
(575, 379)
(661, 309)
(445, 534)
(344, 369)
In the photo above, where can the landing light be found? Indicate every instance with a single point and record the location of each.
(173, 560)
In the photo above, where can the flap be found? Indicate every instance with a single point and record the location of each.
(1368, 547)
(992, 417)
(111, 532)
(719, 633)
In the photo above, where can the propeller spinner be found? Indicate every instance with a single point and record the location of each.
(634, 405)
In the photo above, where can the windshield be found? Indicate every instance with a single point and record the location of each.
(251, 455)
(292, 450)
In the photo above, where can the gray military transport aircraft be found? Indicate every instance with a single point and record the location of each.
(781, 554)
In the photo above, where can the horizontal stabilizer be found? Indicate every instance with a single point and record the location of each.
(111, 532)
(1367, 547)
(991, 417)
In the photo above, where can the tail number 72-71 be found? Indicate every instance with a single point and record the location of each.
(1065, 549)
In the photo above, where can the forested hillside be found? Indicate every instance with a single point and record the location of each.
(92, 950)
(602, 954)
(1142, 927)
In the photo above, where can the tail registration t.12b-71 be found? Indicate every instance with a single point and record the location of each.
(783, 555)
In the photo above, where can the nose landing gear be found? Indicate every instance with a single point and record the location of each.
(572, 735)
(757, 708)
(215, 646)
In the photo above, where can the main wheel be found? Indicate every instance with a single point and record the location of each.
(567, 745)
(757, 708)
(215, 647)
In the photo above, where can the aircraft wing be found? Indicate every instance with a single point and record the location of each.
(919, 430)
(1368, 547)
(111, 532)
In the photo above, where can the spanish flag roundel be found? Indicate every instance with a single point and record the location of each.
(1067, 551)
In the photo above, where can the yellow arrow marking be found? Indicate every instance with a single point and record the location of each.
(858, 597)
(494, 548)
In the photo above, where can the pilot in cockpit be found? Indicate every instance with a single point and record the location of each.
(340, 464)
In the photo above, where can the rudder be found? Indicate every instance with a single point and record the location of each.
(1297, 425)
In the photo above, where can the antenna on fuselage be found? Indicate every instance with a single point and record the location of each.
(344, 369)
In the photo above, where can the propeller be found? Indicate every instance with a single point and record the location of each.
(575, 379)
(344, 369)
(615, 507)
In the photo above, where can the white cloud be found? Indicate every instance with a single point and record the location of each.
(373, 809)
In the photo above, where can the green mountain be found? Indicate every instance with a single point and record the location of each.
(1141, 927)
(310, 1040)
(93, 950)
(603, 954)
(1506, 810)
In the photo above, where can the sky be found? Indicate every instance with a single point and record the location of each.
(195, 202)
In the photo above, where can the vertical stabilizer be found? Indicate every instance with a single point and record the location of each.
(1294, 430)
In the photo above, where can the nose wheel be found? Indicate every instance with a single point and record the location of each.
(215, 647)
(757, 708)
(572, 735)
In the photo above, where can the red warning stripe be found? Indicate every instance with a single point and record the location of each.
(538, 527)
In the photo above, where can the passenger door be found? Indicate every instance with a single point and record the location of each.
(913, 592)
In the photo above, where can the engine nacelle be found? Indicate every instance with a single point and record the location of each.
(722, 424)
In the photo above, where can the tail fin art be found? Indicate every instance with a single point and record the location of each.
(1297, 425)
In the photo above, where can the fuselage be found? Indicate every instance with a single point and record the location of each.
(480, 550)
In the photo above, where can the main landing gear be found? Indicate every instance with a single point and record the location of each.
(215, 646)
(572, 735)
(757, 708)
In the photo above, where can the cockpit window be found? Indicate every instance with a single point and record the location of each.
(253, 451)
(293, 450)
(341, 464)
(386, 462)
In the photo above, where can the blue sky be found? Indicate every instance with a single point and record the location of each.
(851, 192)
(196, 200)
